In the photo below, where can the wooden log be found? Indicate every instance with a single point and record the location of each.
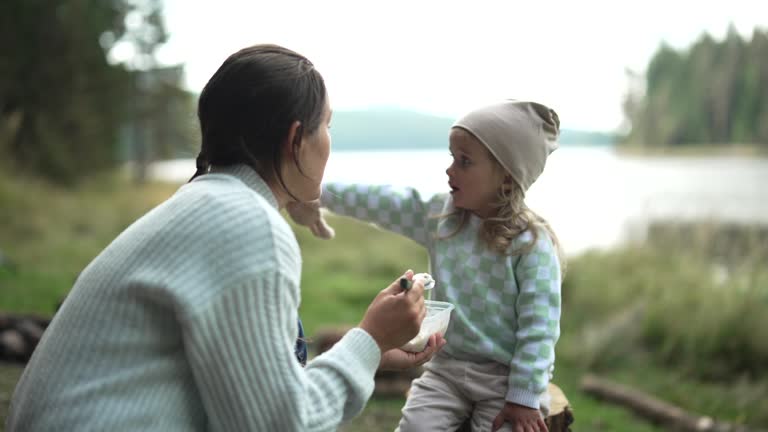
(19, 335)
(13, 347)
(654, 409)
(560, 415)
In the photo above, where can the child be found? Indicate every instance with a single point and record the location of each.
(498, 262)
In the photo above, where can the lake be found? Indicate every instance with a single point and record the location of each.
(592, 196)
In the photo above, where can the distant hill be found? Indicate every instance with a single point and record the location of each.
(382, 129)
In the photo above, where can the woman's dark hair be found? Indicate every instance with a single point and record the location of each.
(248, 106)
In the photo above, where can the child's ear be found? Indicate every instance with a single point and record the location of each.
(508, 183)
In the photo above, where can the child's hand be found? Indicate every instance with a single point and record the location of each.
(397, 359)
(309, 215)
(523, 418)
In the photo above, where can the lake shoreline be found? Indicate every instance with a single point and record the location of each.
(699, 150)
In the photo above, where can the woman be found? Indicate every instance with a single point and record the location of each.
(188, 319)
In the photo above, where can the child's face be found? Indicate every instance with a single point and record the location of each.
(474, 176)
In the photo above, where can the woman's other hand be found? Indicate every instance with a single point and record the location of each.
(394, 316)
(397, 359)
(310, 215)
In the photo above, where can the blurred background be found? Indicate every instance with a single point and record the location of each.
(659, 191)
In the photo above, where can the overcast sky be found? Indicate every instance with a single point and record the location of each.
(444, 57)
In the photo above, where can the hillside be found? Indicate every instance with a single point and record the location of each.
(400, 129)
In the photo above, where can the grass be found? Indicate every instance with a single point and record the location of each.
(49, 234)
(681, 316)
(9, 375)
(669, 316)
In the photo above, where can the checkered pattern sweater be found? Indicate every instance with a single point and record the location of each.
(507, 307)
(187, 322)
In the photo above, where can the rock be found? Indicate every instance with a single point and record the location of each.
(13, 346)
(19, 335)
(31, 331)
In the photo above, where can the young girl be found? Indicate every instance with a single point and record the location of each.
(496, 260)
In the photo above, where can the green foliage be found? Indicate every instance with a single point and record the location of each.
(712, 93)
(690, 302)
(51, 233)
(62, 102)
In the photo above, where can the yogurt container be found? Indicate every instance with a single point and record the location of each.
(436, 321)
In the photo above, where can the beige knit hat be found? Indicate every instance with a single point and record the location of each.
(519, 134)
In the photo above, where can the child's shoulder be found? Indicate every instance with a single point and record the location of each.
(536, 238)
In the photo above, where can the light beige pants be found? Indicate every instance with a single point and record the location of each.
(451, 390)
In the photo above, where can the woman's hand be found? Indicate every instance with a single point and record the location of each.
(523, 418)
(397, 359)
(394, 316)
(310, 215)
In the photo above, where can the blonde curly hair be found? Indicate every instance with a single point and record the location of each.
(512, 217)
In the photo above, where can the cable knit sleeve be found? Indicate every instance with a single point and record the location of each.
(538, 317)
(240, 349)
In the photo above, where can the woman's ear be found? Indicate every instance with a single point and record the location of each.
(293, 139)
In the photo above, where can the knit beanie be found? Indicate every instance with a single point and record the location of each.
(520, 135)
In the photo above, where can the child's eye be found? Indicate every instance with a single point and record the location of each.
(465, 161)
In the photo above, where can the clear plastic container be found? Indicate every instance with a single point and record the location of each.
(436, 321)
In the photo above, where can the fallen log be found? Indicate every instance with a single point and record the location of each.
(655, 410)
(19, 335)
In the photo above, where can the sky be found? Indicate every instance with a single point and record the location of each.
(447, 57)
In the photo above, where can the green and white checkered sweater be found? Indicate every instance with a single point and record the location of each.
(187, 321)
(507, 307)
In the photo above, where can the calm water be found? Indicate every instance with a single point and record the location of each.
(591, 196)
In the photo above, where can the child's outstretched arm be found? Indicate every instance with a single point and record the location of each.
(401, 210)
(538, 316)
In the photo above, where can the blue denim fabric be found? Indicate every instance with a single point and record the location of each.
(301, 346)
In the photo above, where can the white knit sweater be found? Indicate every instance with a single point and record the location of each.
(188, 321)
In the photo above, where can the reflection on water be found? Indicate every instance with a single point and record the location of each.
(591, 196)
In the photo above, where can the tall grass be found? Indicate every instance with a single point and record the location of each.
(48, 234)
(691, 303)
